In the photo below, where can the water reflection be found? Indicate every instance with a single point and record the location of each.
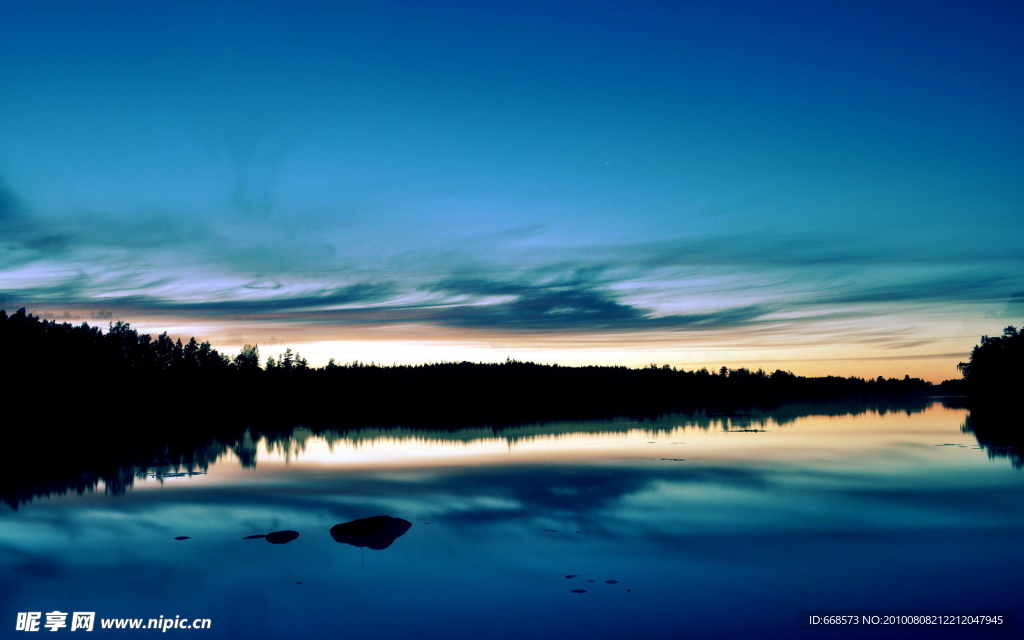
(998, 430)
(116, 465)
(602, 529)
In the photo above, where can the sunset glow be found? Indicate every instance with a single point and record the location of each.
(825, 189)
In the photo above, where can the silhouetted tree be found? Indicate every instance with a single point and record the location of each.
(191, 354)
(163, 349)
(996, 367)
(249, 358)
(287, 360)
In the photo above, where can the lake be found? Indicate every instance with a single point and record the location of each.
(699, 526)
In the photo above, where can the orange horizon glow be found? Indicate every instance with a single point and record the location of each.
(837, 351)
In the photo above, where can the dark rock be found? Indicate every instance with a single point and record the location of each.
(376, 532)
(282, 537)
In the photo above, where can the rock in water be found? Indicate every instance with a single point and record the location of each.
(281, 537)
(376, 532)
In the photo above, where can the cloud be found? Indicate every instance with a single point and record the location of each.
(590, 295)
(574, 303)
(333, 273)
(86, 242)
(365, 293)
(979, 287)
(305, 308)
(21, 239)
(582, 310)
(1015, 306)
(10, 207)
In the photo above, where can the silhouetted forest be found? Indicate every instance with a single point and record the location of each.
(91, 372)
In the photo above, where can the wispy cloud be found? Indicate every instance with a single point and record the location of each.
(155, 265)
(981, 286)
(324, 277)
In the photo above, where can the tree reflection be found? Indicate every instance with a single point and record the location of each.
(57, 460)
(997, 429)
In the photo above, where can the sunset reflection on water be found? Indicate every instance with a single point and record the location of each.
(754, 438)
(572, 529)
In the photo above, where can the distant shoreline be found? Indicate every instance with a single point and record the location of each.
(123, 373)
(119, 401)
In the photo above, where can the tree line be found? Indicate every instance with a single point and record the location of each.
(123, 369)
(83, 405)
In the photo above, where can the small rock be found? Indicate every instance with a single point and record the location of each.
(282, 537)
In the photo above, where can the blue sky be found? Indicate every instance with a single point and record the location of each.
(819, 187)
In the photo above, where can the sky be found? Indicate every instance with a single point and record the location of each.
(823, 188)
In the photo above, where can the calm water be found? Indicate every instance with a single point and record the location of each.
(710, 527)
